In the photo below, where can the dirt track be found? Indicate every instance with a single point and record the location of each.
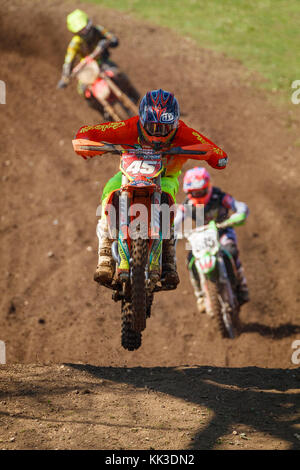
(51, 310)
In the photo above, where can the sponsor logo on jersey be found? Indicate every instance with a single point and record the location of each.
(103, 127)
(199, 137)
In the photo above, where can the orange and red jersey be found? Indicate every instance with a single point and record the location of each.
(126, 134)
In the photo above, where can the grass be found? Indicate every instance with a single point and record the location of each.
(263, 34)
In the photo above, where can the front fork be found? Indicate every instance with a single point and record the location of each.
(123, 239)
(220, 276)
(153, 268)
(225, 282)
(155, 251)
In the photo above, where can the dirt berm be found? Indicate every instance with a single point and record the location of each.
(67, 383)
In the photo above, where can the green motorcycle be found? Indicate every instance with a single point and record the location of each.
(218, 280)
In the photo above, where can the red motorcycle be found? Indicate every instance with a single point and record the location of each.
(137, 225)
(99, 85)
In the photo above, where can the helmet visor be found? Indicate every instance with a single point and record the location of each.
(197, 193)
(158, 129)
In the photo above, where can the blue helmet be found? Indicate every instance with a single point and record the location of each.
(159, 116)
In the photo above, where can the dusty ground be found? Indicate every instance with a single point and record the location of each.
(68, 384)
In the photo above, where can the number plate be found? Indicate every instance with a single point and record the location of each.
(135, 168)
(204, 241)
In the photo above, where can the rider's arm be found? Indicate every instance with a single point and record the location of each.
(121, 132)
(72, 51)
(110, 38)
(240, 211)
(217, 158)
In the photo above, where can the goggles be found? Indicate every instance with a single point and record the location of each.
(158, 129)
(197, 193)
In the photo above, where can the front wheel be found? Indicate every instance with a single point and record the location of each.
(130, 339)
(139, 253)
(219, 310)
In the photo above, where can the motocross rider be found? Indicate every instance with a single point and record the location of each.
(217, 205)
(91, 39)
(157, 126)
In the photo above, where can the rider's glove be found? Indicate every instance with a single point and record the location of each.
(224, 224)
(234, 219)
(103, 44)
(63, 82)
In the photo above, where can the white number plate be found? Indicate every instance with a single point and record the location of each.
(204, 241)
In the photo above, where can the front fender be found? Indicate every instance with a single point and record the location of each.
(206, 263)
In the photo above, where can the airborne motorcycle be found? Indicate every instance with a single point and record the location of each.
(218, 280)
(137, 246)
(99, 84)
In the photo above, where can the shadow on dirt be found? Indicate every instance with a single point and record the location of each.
(264, 399)
(278, 332)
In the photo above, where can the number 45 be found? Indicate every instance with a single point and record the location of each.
(144, 167)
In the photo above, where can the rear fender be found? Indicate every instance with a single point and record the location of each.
(100, 89)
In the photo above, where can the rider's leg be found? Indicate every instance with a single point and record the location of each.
(229, 240)
(106, 266)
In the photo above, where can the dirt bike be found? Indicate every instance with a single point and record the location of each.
(114, 104)
(218, 280)
(138, 239)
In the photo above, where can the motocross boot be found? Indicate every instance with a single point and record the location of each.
(169, 277)
(106, 265)
(242, 288)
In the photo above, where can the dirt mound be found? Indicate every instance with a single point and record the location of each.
(51, 310)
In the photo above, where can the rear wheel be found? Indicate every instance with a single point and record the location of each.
(122, 111)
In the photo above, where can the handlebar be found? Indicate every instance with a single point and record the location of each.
(201, 228)
(87, 148)
(80, 66)
(96, 52)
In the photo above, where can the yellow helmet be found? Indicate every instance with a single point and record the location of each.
(77, 20)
